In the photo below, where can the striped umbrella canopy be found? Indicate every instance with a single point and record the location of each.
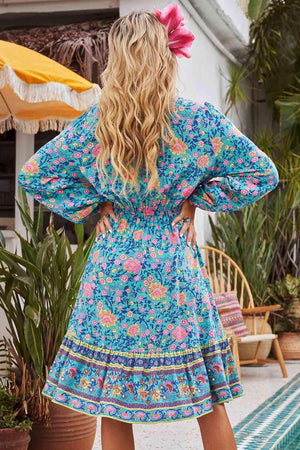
(37, 93)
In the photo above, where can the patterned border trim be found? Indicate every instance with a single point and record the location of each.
(137, 406)
(139, 415)
(144, 355)
(120, 368)
(134, 421)
(214, 388)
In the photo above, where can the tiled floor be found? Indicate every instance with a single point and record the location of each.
(259, 383)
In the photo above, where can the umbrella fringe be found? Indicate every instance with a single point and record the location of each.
(35, 93)
(33, 126)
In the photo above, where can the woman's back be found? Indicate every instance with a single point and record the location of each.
(145, 342)
(204, 145)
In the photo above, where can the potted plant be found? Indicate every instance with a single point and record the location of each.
(287, 293)
(15, 425)
(240, 235)
(38, 315)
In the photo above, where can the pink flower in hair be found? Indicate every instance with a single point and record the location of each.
(180, 38)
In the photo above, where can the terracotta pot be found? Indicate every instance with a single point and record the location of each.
(68, 430)
(289, 342)
(247, 350)
(13, 438)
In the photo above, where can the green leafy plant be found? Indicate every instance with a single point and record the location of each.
(269, 248)
(256, 8)
(287, 293)
(241, 237)
(289, 107)
(11, 409)
(37, 294)
(236, 91)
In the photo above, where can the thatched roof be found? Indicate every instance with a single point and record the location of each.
(83, 47)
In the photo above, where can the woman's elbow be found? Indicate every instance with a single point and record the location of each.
(273, 176)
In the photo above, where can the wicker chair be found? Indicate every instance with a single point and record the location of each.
(225, 275)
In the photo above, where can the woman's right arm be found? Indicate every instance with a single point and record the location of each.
(107, 209)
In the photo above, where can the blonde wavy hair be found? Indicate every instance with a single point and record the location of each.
(138, 95)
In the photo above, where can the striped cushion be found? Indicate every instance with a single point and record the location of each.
(232, 319)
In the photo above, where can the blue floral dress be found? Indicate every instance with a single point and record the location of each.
(145, 342)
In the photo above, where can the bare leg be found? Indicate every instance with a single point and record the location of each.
(216, 430)
(116, 435)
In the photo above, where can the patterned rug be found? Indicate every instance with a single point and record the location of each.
(275, 424)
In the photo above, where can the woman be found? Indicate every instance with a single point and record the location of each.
(145, 343)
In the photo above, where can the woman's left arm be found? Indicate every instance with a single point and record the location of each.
(54, 175)
(238, 172)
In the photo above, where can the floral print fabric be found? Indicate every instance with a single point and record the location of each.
(145, 342)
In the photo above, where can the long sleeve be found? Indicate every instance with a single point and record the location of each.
(237, 173)
(53, 176)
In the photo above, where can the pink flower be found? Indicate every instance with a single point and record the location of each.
(181, 299)
(148, 211)
(75, 402)
(137, 235)
(132, 265)
(122, 225)
(200, 378)
(157, 290)
(203, 161)
(169, 386)
(96, 150)
(88, 290)
(72, 371)
(91, 407)
(223, 394)
(133, 330)
(179, 334)
(236, 389)
(187, 191)
(174, 238)
(177, 146)
(216, 367)
(217, 144)
(180, 38)
(107, 319)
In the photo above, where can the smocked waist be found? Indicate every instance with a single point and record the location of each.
(146, 212)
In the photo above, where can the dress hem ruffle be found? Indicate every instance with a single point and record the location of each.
(139, 421)
(145, 388)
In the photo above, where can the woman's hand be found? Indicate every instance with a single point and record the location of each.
(187, 210)
(106, 210)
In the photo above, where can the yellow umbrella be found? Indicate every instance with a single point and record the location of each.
(37, 93)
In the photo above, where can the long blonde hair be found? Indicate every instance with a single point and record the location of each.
(138, 95)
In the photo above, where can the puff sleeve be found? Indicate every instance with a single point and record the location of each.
(238, 173)
(53, 176)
